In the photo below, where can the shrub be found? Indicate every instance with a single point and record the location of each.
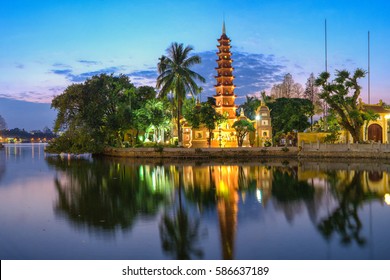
(139, 145)
(285, 149)
(267, 144)
(159, 148)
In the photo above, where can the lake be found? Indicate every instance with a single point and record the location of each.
(116, 208)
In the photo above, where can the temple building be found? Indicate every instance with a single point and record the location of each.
(225, 135)
(378, 130)
(375, 130)
(263, 126)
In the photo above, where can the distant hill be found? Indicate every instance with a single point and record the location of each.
(27, 115)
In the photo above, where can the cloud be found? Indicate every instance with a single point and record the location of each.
(62, 71)
(81, 77)
(253, 72)
(88, 62)
(144, 77)
(60, 65)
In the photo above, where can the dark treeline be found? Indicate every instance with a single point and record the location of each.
(27, 136)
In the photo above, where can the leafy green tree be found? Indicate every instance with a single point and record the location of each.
(290, 114)
(342, 96)
(99, 108)
(191, 112)
(176, 76)
(158, 116)
(209, 118)
(202, 114)
(242, 127)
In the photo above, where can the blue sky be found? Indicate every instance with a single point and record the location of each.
(47, 45)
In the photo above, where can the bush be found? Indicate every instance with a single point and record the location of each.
(332, 137)
(285, 149)
(126, 144)
(159, 148)
(267, 144)
(139, 145)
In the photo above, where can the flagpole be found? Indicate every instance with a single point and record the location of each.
(369, 72)
(326, 48)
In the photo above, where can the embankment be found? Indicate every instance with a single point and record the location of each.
(316, 150)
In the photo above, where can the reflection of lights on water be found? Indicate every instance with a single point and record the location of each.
(387, 199)
(259, 196)
(223, 189)
(141, 173)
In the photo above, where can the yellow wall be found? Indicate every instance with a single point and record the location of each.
(311, 137)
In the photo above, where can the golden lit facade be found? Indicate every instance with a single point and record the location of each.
(263, 125)
(225, 135)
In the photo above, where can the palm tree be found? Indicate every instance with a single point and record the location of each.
(176, 77)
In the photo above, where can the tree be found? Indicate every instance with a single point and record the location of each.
(242, 127)
(312, 93)
(342, 96)
(3, 124)
(176, 77)
(209, 118)
(290, 114)
(191, 112)
(287, 89)
(157, 116)
(93, 114)
(202, 114)
(250, 106)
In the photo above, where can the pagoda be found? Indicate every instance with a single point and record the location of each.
(225, 97)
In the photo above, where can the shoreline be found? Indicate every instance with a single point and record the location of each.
(252, 153)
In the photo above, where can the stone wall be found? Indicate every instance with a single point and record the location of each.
(185, 153)
(349, 150)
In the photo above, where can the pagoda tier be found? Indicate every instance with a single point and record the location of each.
(225, 97)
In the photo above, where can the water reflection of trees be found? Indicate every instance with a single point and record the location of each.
(105, 195)
(344, 219)
(180, 231)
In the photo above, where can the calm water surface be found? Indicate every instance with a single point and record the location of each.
(67, 208)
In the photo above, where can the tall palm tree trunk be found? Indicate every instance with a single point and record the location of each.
(179, 136)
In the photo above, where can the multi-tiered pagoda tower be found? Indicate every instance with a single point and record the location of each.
(225, 88)
(225, 97)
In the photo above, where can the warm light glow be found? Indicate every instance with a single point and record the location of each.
(257, 117)
(387, 117)
(387, 199)
(259, 196)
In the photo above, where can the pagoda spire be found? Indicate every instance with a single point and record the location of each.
(225, 87)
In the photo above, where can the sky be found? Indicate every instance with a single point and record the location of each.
(47, 45)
